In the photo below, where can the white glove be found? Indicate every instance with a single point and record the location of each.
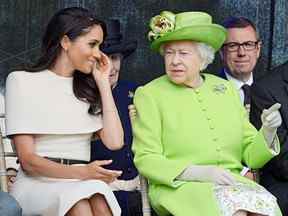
(271, 120)
(204, 173)
(126, 185)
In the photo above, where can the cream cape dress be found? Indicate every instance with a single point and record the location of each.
(43, 104)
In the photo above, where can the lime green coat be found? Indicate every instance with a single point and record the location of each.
(177, 126)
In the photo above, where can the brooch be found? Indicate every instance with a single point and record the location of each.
(219, 89)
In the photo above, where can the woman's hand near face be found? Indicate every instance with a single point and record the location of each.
(96, 171)
(111, 134)
(102, 69)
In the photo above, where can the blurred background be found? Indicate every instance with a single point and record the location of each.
(23, 21)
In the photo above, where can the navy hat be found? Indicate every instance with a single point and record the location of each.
(114, 43)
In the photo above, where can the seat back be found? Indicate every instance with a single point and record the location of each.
(4, 154)
(3, 173)
(146, 209)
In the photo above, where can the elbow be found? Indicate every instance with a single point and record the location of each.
(27, 166)
(112, 140)
(115, 147)
(116, 143)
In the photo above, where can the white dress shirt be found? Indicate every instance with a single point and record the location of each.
(239, 83)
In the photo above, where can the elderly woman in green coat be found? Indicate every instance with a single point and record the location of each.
(191, 133)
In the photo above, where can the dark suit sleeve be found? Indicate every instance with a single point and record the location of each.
(263, 98)
(260, 99)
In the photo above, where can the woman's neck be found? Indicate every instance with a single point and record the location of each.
(195, 83)
(62, 67)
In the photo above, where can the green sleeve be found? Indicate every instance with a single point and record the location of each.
(148, 147)
(256, 152)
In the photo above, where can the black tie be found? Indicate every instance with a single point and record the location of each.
(247, 94)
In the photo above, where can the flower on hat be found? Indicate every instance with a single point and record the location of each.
(195, 26)
(161, 24)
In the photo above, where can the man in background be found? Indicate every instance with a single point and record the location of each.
(240, 54)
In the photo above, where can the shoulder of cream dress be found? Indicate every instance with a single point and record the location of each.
(44, 103)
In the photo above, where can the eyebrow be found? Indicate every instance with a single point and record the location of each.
(180, 50)
(242, 42)
(95, 41)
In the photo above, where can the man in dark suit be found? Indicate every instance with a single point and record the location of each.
(239, 56)
(267, 91)
(125, 188)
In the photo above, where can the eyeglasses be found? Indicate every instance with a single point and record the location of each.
(234, 46)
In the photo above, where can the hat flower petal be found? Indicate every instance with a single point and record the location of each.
(161, 24)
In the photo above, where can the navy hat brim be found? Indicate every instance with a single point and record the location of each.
(125, 48)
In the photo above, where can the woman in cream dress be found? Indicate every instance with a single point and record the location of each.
(53, 109)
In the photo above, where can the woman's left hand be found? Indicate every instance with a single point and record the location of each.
(102, 68)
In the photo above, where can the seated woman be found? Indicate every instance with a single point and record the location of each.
(53, 108)
(191, 133)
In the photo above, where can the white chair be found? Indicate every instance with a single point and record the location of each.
(3, 156)
(146, 209)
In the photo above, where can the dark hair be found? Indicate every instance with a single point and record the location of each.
(239, 22)
(72, 22)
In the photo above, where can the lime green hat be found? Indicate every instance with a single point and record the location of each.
(194, 26)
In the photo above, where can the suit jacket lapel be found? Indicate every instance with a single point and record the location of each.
(222, 74)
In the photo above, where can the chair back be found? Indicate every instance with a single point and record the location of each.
(3, 173)
(146, 209)
(5, 151)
